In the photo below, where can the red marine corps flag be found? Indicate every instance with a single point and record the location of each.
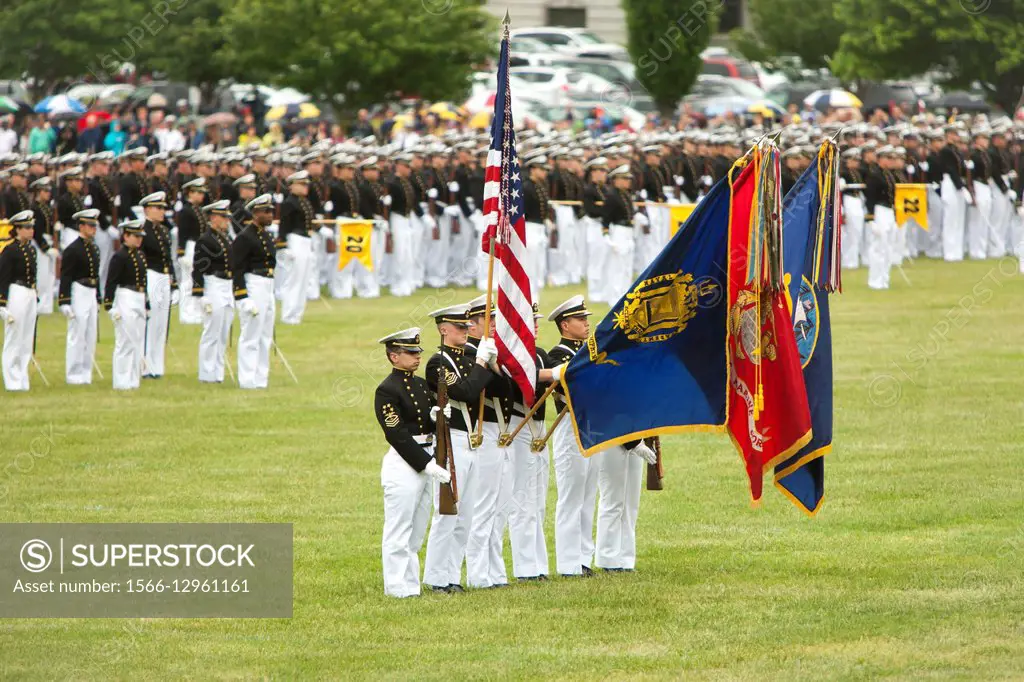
(768, 416)
(505, 241)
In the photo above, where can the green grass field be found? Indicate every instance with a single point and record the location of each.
(912, 570)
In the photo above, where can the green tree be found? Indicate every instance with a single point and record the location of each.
(807, 29)
(190, 46)
(970, 40)
(52, 41)
(360, 53)
(665, 41)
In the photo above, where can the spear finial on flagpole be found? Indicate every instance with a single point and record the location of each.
(507, 20)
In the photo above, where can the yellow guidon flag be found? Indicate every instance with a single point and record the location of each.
(912, 202)
(678, 214)
(354, 243)
(6, 234)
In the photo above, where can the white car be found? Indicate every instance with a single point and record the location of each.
(559, 87)
(576, 41)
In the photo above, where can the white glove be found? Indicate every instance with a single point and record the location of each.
(645, 453)
(640, 220)
(249, 307)
(911, 170)
(185, 263)
(52, 252)
(326, 232)
(87, 202)
(556, 372)
(923, 166)
(549, 226)
(969, 165)
(453, 211)
(117, 201)
(178, 206)
(1011, 195)
(643, 194)
(432, 193)
(706, 180)
(967, 196)
(937, 187)
(679, 180)
(207, 306)
(114, 233)
(115, 316)
(437, 473)
(486, 351)
(328, 206)
(429, 221)
(435, 409)
(278, 198)
(67, 312)
(842, 184)
(386, 200)
(175, 297)
(453, 186)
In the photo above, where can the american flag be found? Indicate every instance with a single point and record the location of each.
(506, 224)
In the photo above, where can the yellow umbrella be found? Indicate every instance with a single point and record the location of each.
(304, 110)
(446, 112)
(401, 121)
(481, 120)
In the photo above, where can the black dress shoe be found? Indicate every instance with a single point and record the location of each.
(616, 570)
(436, 588)
(455, 587)
(543, 578)
(587, 572)
(531, 578)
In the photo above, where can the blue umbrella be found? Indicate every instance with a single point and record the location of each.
(60, 104)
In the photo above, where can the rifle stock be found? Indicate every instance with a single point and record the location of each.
(448, 496)
(655, 472)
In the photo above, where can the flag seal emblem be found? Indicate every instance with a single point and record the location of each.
(660, 307)
(805, 321)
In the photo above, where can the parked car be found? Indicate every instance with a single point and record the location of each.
(16, 89)
(526, 51)
(730, 67)
(576, 41)
(558, 87)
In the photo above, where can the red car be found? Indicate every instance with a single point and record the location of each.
(731, 67)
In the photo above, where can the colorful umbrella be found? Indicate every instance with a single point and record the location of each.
(481, 120)
(446, 111)
(834, 98)
(766, 108)
(10, 105)
(303, 110)
(97, 116)
(59, 104)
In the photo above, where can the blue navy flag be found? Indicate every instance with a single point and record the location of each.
(810, 261)
(656, 364)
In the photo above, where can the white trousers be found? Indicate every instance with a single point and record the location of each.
(80, 349)
(979, 221)
(999, 232)
(403, 266)
(576, 483)
(536, 258)
(480, 256)
(467, 535)
(18, 335)
(318, 249)
(158, 286)
(880, 247)
(619, 475)
(597, 252)
(45, 280)
(932, 239)
(578, 262)
(560, 259)
(954, 214)
(853, 229)
(462, 253)
(129, 338)
(618, 264)
(437, 252)
(213, 344)
(189, 310)
(528, 499)
(406, 512)
(355, 278)
(420, 236)
(257, 333)
(105, 243)
(300, 264)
